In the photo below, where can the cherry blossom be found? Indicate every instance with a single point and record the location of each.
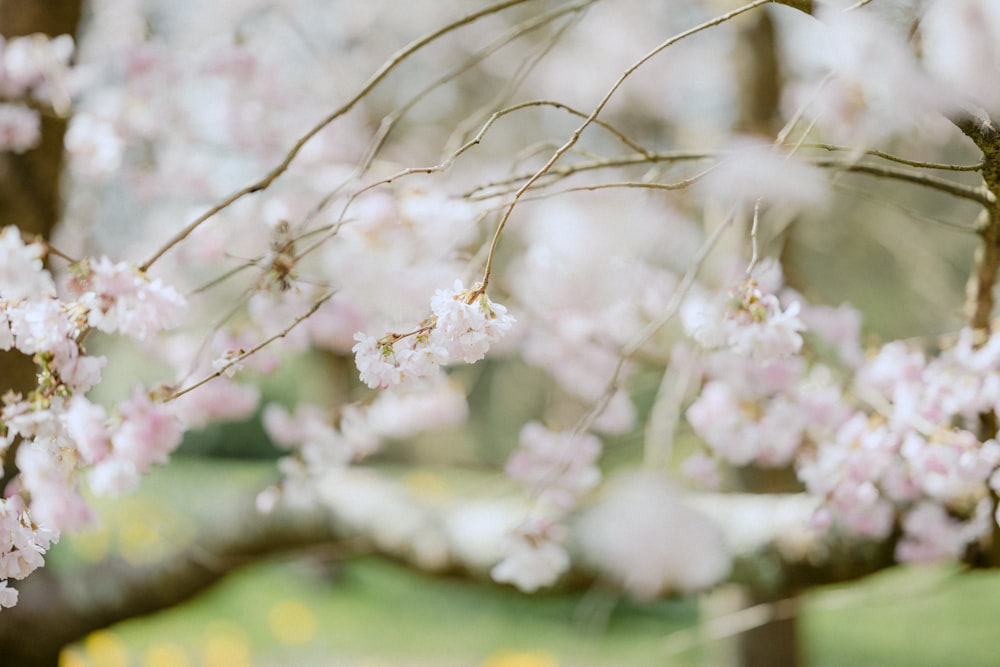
(384, 363)
(20, 128)
(534, 557)
(21, 274)
(557, 468)
(747, 321)
(753, 170)
(319, 441)
(119, 297)
(468, 322)
(147, 433)
(876, 86)
(643, 536)
(464, 325)
(34, 64)
(22, 546)
(959, 47)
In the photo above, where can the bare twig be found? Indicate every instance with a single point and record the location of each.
(577, 133)
(257, 348)
(980, 195)
(391, 64)
(901, 160)
(647, 332)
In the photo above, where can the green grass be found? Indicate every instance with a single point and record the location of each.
(368, 612)
(917, 617)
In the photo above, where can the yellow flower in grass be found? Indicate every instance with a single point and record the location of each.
(521, 659)
(292, 623)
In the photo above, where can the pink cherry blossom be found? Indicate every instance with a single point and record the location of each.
(221, 399)
(20, 128)
(402, 414)
(77, 371)
(534, 557)
(318, 441)
(87, 426)
(466, 330)
(748, 321)
(56, 502)
(119, 297)
(147, 433)
(959, 47)
(29, 62)
(40, 326)
(930, 534)
(643, 536)
(22, 276)
(557, 468)
(383, 364)
(22, 545)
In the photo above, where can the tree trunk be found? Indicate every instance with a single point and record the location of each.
(775, 643)
(29, 182)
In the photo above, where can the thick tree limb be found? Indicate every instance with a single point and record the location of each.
(773, 553)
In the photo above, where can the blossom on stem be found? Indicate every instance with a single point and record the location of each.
(20, 128)
(464, 325)
(642, 535)
(22, 275)
(534, 556)
(468, 322)
(22, 545)
(386, 363)
(748, 321)
(120, 297)
(555, 467)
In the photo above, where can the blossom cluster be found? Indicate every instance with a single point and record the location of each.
(53, 435)
(747, 321)
(464, 324)
(321, 440)
(557, 469)
(534, 555)
(888, 442)
(23, 548)
(35, 67)
(918, 460)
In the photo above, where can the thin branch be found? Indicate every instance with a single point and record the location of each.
(578, 132)
(257, 348)
(753, 238)
(980, 195)
(47, 247)
(907, 211)
(652, 327)
(901, 160)
(560, 173)
(391, 64)
(638, 185)
(390, 121)
(556, 105)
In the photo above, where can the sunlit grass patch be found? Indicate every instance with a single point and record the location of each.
(292, 622)
(521, 659)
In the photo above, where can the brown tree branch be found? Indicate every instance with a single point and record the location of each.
(773, 553)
